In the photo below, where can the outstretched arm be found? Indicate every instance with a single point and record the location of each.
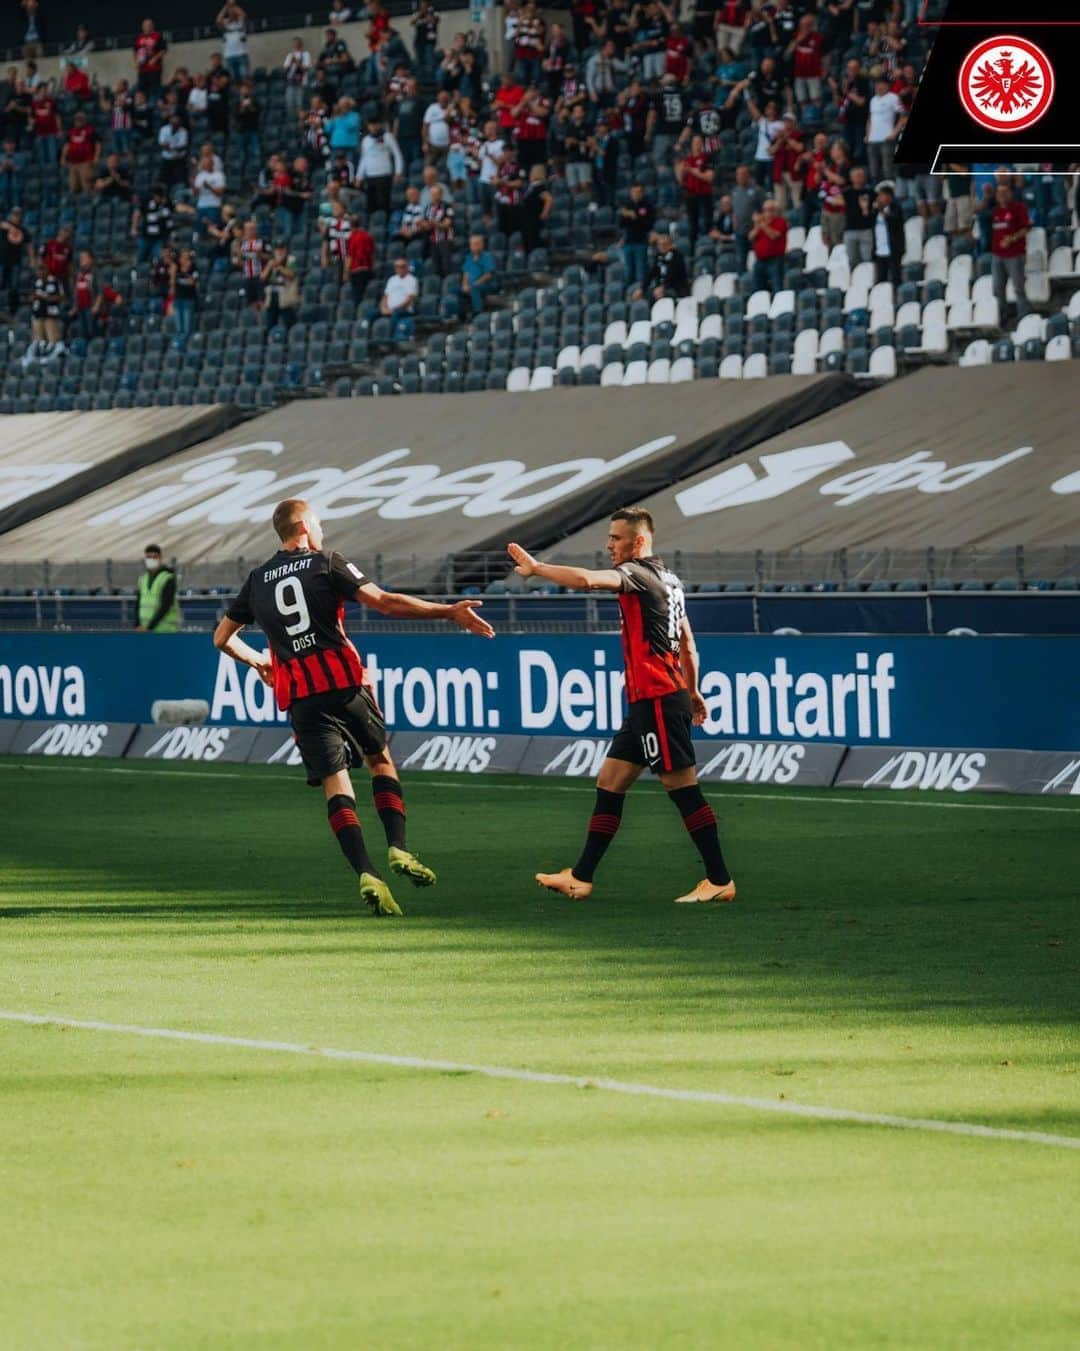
(574, 579)
(461, 612)
(691, 666)
(227, 641)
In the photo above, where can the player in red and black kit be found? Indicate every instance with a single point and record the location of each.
(662, 698)
(298, 600)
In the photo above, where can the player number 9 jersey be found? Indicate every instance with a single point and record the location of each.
(653, 606)
(298, 600)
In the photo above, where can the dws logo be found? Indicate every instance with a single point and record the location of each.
(1062, 777)
(578, 759)
(788, 469)
(190, 743)
(755, 762)
(469, 754)
(959, 771)
(70, 738)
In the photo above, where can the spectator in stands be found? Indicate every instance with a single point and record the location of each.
(16, 248)
(80, 153)
(343, 128)
(888, 235)
(408, 125)
(579, 148)
(12, 169)
(398, 301)
(730, 20)
(477, 277)
(604, 74)
(425, 26)
(859, 208)
(152, 223)
(335, 57)
(173, 142)
(149, 57)
(637, 217)
(297, 66)
(33, 43)
(209, 185)
(436, 128)
(295, 198)
(114, 181)
(336, 229)
(1010, 225)
(788, 163)
(224, 239)
(769, 127)
(160, 279)
(46, 310)
(58, 256)
(118, 103)
(835, 178)
(184, 288)
(747, 200)
(84, 297)
(852, 95)
(886, 120)
(667, 276)
(768, 238)
(537, 204)
(406, 223)
(248, 121)
(695, 175)
(437, 228)
(281, 288)
(959, 202)
(360, 261)
(233, 23)
(78, 90)
(158, 609)
(252, 252)
(380, 163)
(45, 120)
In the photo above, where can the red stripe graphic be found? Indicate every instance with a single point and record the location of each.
(661, 732)
(299, 679)
(704, 816)
(342, 818)
(389, 802)
(337, 669)
(353, 662)
(313, 666)
(604, 825)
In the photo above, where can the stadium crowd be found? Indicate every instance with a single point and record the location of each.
(407, 180)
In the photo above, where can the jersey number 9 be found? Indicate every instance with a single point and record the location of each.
(290, 601)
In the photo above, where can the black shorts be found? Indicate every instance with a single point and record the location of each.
(657, 733)
(335, 730)
(253, 290)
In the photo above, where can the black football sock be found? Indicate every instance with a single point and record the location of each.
(390, 805)
(603, 824)
(700, 824)
(345, 824)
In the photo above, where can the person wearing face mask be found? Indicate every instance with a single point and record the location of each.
(158, 610)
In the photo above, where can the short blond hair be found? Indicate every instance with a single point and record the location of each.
(288, 516)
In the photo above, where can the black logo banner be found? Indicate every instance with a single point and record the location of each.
(996, 86)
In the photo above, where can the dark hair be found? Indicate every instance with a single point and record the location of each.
(287, 516)
(153, 549)
(640, 518)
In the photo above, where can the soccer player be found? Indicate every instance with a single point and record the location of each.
(298, 600)
(663, 699)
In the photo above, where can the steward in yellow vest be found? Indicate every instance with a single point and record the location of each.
(159, 609)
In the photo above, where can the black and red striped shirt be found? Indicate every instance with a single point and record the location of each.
(652, 605)
(298, 600)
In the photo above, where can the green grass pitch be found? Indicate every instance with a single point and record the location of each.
(909, 956)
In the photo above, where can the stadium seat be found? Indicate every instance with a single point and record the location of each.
(518, 380)
(731, 368)
(542, 378)
(636, 373)
(883, 363)
(755, 367)
(1059, 349)
(681, 371)
(659, 372)
(976, 353)
(612, 374)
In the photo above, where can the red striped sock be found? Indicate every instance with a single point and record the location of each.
(700, 822)
(603, 826)
(344, 822)
(390, 804)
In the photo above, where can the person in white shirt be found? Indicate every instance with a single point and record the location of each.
(297, 65)
(769, 127)
(173, 145)
(196, 99)
(490, 155)
(209, 185)
(884, 124)
(398, 301)
(380, 162)
(233, 23)
(436, 128)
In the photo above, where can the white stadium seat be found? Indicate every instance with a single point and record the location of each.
(518, 379)
(755, 367)
(612, 373)
(731, 368)
(960, 315)
(542, 378)
(725, 285)
(1059, 348)
(659, 372)
(663, 311)
(1031, 326)
(881, 295)
(569, 357)
(935, 250)
(862, 276)
(909, 313)
(592, 355)
(783, 302)
(976, 353)
(636, 373)
(796, 238)
(702, 288)
(961, 268)
(687, 331)
(687, 308)
(883, 363)
(1073, 310)
(981, 288)
(712, 326)
(986, 314)
(758, 303)
(806, 343)
(641, 331)
(615, 333)
(832, 340)
(681, 371)
(802, 363)
(1061, 262)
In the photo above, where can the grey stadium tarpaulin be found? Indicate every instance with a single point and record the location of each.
(49, 459)
(985, 457)
(426, 475)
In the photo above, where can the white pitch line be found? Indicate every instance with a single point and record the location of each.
(823, 796)
(410, 1062)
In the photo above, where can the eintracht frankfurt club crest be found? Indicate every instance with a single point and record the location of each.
(1006, 83)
